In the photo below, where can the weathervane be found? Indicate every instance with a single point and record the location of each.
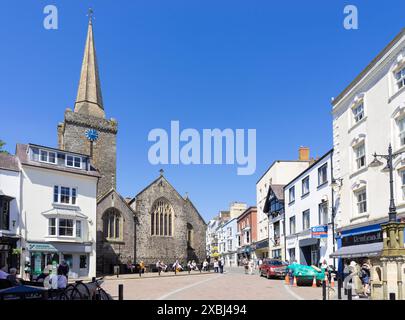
(90, 14)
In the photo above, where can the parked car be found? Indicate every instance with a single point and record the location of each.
(273, 268)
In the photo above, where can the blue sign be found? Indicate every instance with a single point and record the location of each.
(319, 232)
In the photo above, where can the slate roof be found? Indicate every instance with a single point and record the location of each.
(9, 162)
(22, 155)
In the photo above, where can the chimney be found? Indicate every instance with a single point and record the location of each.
(303, 153)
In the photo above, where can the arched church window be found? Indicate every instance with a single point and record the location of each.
(161, 218)
(152, 224)
(112, 224)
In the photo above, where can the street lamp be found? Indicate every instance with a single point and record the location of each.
(392, 213)
(336, 184)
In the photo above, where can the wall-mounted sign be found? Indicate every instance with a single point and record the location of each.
(369, 237)
(319, 232)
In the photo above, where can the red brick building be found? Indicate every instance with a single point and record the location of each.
(247, 233)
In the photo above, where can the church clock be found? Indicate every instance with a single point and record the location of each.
(91, 134)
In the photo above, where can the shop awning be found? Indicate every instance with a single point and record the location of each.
(362, 250)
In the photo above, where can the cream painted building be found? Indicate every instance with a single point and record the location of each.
(368, 116)
(280, 172)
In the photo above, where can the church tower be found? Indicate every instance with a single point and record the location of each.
(85, 129)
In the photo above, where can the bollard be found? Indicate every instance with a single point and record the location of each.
(349, 294)
(323, 290)
(120, 292)
(392, 296)
(340, 288)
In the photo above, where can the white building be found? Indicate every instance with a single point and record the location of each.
(308, 214)
(279, 173)
(58, 211)
(9, 211)
(368, 116)
(229, 242)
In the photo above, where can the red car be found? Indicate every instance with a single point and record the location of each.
(273, 268)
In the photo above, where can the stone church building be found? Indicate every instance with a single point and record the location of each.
(158, 223)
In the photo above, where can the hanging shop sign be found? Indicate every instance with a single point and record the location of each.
(319, 232)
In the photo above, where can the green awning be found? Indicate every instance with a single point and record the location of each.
(41, 247)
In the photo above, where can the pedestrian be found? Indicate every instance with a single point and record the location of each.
(141, 268)
(216, 266)
(189, 266)
(159, 267)
(61, 280)
(205, 265)
(365, 277)
(63, 269)
(3, 273)
(251, 266)
(12, 277)
(221, 266)
(245, 264)
(194, 265)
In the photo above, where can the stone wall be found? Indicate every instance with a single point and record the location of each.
(71, 137)
(108, 252)
(166, 248)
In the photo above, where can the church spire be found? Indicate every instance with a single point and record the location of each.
(89, 100)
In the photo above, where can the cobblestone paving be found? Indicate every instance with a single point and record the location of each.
(232, 285)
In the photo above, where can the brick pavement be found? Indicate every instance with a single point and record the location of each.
(232, 285)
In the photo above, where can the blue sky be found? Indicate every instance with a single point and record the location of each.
(267, 65)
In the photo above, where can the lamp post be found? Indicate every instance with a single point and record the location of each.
(392, 213)
(393, 254)
(336, 184)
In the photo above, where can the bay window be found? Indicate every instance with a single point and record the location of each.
(66, 227)
(52, 227)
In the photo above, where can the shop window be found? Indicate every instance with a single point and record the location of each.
(4, 213)
(83, 261)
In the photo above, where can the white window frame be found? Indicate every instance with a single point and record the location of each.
(304, 213)
(59, 195)
(358, 159)
(295, 224)
(323, 213)
(399, 78)
(401, 131)
(358, 112)
(305, 184)
(361, 205)
(47, 156)
(56, 226)
(322, 168)
(74, 158)
(291, 194)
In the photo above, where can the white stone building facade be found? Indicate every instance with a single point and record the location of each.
(308, 204)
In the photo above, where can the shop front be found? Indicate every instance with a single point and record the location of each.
(309, 251)
(359, 245)
(262, 249)
(9, 255)
(75, 255)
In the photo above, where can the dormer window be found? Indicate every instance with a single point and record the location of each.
(47, 156)
(358, 112)
(72, 161)
(400, 78)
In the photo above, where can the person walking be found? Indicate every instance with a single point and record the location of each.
(365, 278)
(205, 265)
(216, 266)
(251, 266)
(221, 265)
(63, 269)
(159, 267)
(245, 264)
(189, 266)
(141, 268)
